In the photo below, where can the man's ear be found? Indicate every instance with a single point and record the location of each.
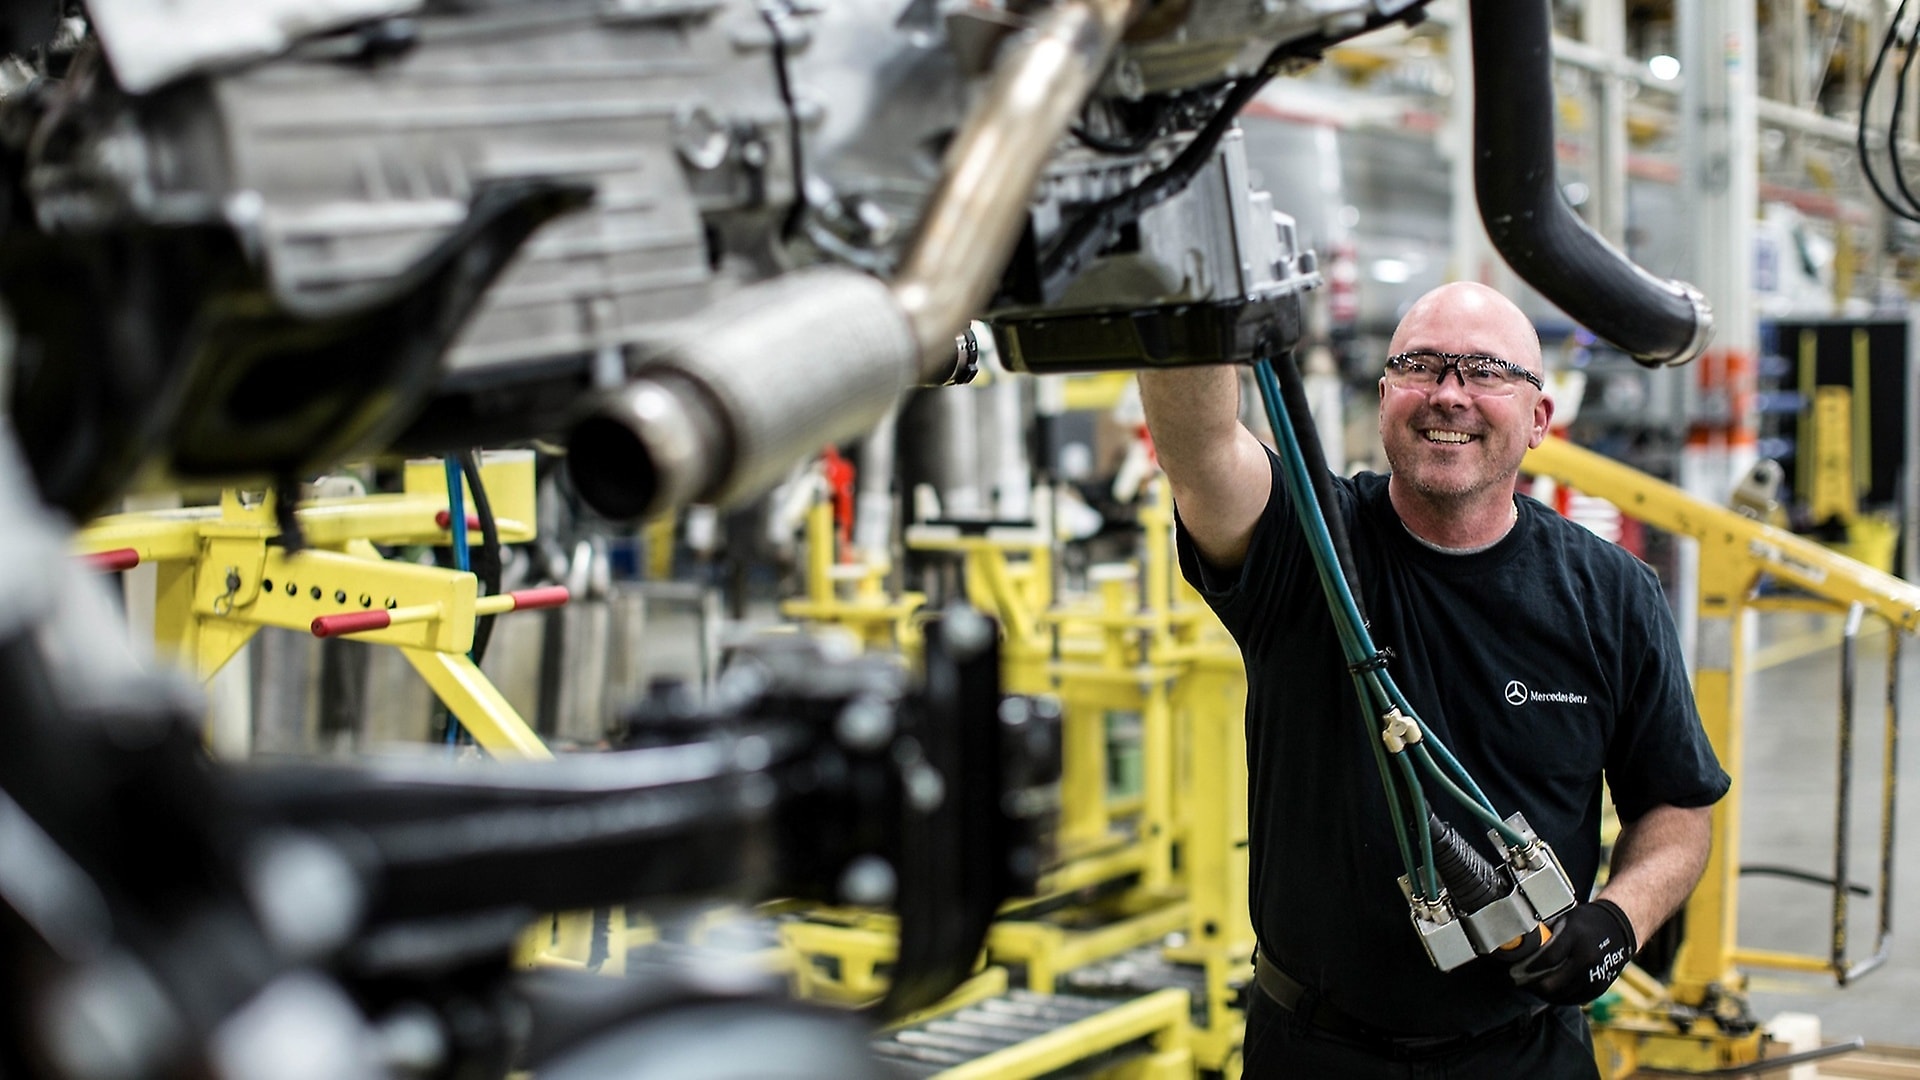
(1542, 421)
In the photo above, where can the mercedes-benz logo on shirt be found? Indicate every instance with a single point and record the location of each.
(1516, 693)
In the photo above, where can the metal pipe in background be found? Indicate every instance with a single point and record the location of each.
(873, 511)
(1008, 472)
(1889, 800)
(974, 217)
(725, 401)
(949, 452)
(1658, 322)
(1843, 800)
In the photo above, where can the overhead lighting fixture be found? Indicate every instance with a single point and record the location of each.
(1664, 67)
(1391, 271)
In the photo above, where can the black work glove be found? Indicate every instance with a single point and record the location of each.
(1590, 946)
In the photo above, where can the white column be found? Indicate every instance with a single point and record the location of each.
(1605, 25)
(1720, 189)
(1474, 256)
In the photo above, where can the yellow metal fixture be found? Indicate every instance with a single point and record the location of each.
(222, 575)
(853, 596)
(1164, 868)
(1159, 1017)
(1737, 553)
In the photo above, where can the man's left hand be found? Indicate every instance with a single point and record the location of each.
(1590, 946)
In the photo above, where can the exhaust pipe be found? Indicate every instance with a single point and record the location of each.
(1657, 322)
(726, 401)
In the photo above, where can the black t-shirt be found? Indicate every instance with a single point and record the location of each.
(1540, 662)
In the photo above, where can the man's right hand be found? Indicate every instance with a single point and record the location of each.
(1589, 947)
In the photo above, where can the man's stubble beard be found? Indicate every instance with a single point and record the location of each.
(1437, 494)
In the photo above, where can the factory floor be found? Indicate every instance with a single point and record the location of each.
(1788, 784)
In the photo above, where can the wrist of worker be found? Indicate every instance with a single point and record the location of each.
(1637, 913)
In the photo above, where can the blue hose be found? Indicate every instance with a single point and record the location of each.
(462, 557)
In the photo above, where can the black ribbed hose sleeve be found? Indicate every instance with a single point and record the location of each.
(1473, 881)
(489, 566)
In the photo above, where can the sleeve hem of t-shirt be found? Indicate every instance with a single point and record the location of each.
(1210, 580)
(1690, 801)
(1220, 587)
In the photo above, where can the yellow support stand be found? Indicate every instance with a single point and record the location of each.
(221, 577)
(1835, 494)
(842, 954)
(1837, 445)
(1143, 644)
(479, 705)
(659, 534)
(1736, 553)
(1168, 862)
(1212, 697)
(1009, 573)
(875, 620)
(1048, 949)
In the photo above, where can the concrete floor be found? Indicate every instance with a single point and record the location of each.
(1788, 803)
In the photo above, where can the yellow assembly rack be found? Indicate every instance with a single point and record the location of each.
(1143, 643)
(852, 596)
(1698, 1022)
(222, 574)
(1160, 870)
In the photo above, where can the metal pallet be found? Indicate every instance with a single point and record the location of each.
(1138, 972)
(1022, 1034)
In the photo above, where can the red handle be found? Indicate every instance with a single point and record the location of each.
(108, 562)
(545, 596)
(445, 518)
(352, 622)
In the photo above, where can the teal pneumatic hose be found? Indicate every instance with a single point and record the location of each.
(457, 526)
(1373, 685)
(1293, 401)
(1351, 630)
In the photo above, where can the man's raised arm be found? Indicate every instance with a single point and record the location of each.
(1219, 471)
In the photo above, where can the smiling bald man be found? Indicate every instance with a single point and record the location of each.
(1544, 657)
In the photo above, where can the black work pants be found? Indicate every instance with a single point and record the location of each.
(1556, 1045)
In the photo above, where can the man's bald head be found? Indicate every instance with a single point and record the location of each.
(1466, 316)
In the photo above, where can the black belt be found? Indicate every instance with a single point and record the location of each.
(1288, 993)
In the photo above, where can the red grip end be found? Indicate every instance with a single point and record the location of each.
(545, 596)
(118, 559)
(352, 622)
(445, 518)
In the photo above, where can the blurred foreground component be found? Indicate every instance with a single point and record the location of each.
(164, 916)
